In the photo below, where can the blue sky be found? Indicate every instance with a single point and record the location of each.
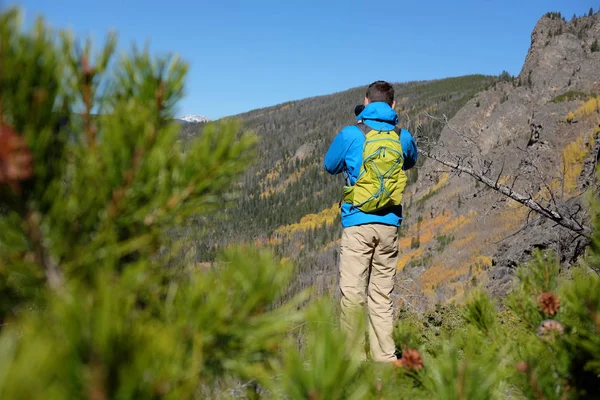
(250, 54)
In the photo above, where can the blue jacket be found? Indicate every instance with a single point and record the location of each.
(345, 155)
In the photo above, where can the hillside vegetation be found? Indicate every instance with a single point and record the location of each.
(288, 202)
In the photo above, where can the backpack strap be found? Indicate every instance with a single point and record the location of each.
(363, 128)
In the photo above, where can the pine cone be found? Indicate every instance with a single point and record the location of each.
(314, 395)
(411, 360)
(549, 328)
(16, 162)
(548, 303)
(522, 366)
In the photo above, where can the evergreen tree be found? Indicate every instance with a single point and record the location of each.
(505, 76)
(91, 210)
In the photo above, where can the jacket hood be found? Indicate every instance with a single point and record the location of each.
(379, 111)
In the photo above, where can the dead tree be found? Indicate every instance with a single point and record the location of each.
(554, 210)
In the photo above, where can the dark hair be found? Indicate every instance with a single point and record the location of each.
(381, 91)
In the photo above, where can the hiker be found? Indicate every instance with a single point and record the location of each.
(371, 217)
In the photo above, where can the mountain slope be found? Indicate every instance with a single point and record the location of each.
(288, 200)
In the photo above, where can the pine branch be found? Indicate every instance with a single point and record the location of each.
(87, 74)
(44, 260)
(562, 220)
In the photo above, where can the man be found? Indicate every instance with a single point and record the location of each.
(369, 247)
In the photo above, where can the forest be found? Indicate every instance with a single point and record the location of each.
(287, 201)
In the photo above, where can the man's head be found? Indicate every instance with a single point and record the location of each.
(380, 91)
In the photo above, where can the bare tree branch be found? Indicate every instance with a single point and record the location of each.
(546, 185)
(554, 215)
(444, 121)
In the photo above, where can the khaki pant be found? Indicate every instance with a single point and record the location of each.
(368, 262)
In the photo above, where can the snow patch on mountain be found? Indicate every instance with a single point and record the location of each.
(194, 118)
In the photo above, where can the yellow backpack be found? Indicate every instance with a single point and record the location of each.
(381, 180)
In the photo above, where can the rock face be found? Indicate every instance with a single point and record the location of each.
(516, 132)
(560, 56)
(304, 151)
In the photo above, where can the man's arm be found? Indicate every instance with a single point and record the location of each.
(335, 156)
(409, 148)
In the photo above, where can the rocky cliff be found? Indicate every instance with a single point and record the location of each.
(536, 133)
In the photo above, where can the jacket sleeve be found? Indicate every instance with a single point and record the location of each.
(409, 148)
(335, 156)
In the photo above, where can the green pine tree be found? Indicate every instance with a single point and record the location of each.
(96, 190)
